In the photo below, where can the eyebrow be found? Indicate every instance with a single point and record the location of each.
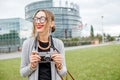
(39, 17)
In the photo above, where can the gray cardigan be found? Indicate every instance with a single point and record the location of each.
(27, 48)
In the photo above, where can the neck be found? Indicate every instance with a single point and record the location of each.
(44, 37)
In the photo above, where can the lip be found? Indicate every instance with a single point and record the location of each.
(39, 26)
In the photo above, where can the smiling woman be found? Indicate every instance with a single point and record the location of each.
(42, 56)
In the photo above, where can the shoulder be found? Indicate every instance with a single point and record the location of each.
(57, 41)
(28, 41)
(58, 44)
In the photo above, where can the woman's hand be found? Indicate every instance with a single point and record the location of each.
(34, 58)
(57, 58)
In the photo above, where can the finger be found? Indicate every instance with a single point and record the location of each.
(34, 61)
(35, 56)
(34, 64)
(34, 53)
(57, 60)
(55, 55)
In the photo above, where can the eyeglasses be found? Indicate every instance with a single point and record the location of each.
(41, 19)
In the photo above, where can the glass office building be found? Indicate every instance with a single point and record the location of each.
(67, 17)
(12, 33)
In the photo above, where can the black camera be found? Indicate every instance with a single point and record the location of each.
(45, 56)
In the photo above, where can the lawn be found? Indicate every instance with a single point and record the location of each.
(95, 63)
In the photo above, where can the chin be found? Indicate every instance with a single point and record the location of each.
(40, 31)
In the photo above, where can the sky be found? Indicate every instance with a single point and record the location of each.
(91, 12)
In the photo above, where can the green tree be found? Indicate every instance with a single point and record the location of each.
(119, 35)
(110, 38)
(99, 36)
(92, 32)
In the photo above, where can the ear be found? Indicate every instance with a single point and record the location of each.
(52, 24)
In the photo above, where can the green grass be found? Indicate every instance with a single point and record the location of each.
(10, 69)
(95, 63)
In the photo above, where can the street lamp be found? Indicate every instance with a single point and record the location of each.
(102, 30)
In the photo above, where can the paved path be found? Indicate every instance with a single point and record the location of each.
(9, 55)
(17, 54)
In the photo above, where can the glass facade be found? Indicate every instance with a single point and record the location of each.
(66, 18)
(12, 33)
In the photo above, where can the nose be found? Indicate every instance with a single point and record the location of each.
(38, 21)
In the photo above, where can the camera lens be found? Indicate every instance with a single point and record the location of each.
(47, 59)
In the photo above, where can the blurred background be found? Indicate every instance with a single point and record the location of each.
(77, 22)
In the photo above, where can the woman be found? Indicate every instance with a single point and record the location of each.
(43, 25)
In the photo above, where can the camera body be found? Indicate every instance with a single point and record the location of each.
(45, 56)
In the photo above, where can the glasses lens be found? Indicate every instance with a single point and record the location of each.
(41, 19)
(35, 19)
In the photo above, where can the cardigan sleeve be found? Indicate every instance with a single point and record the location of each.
(60, 47)
(25, 69)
